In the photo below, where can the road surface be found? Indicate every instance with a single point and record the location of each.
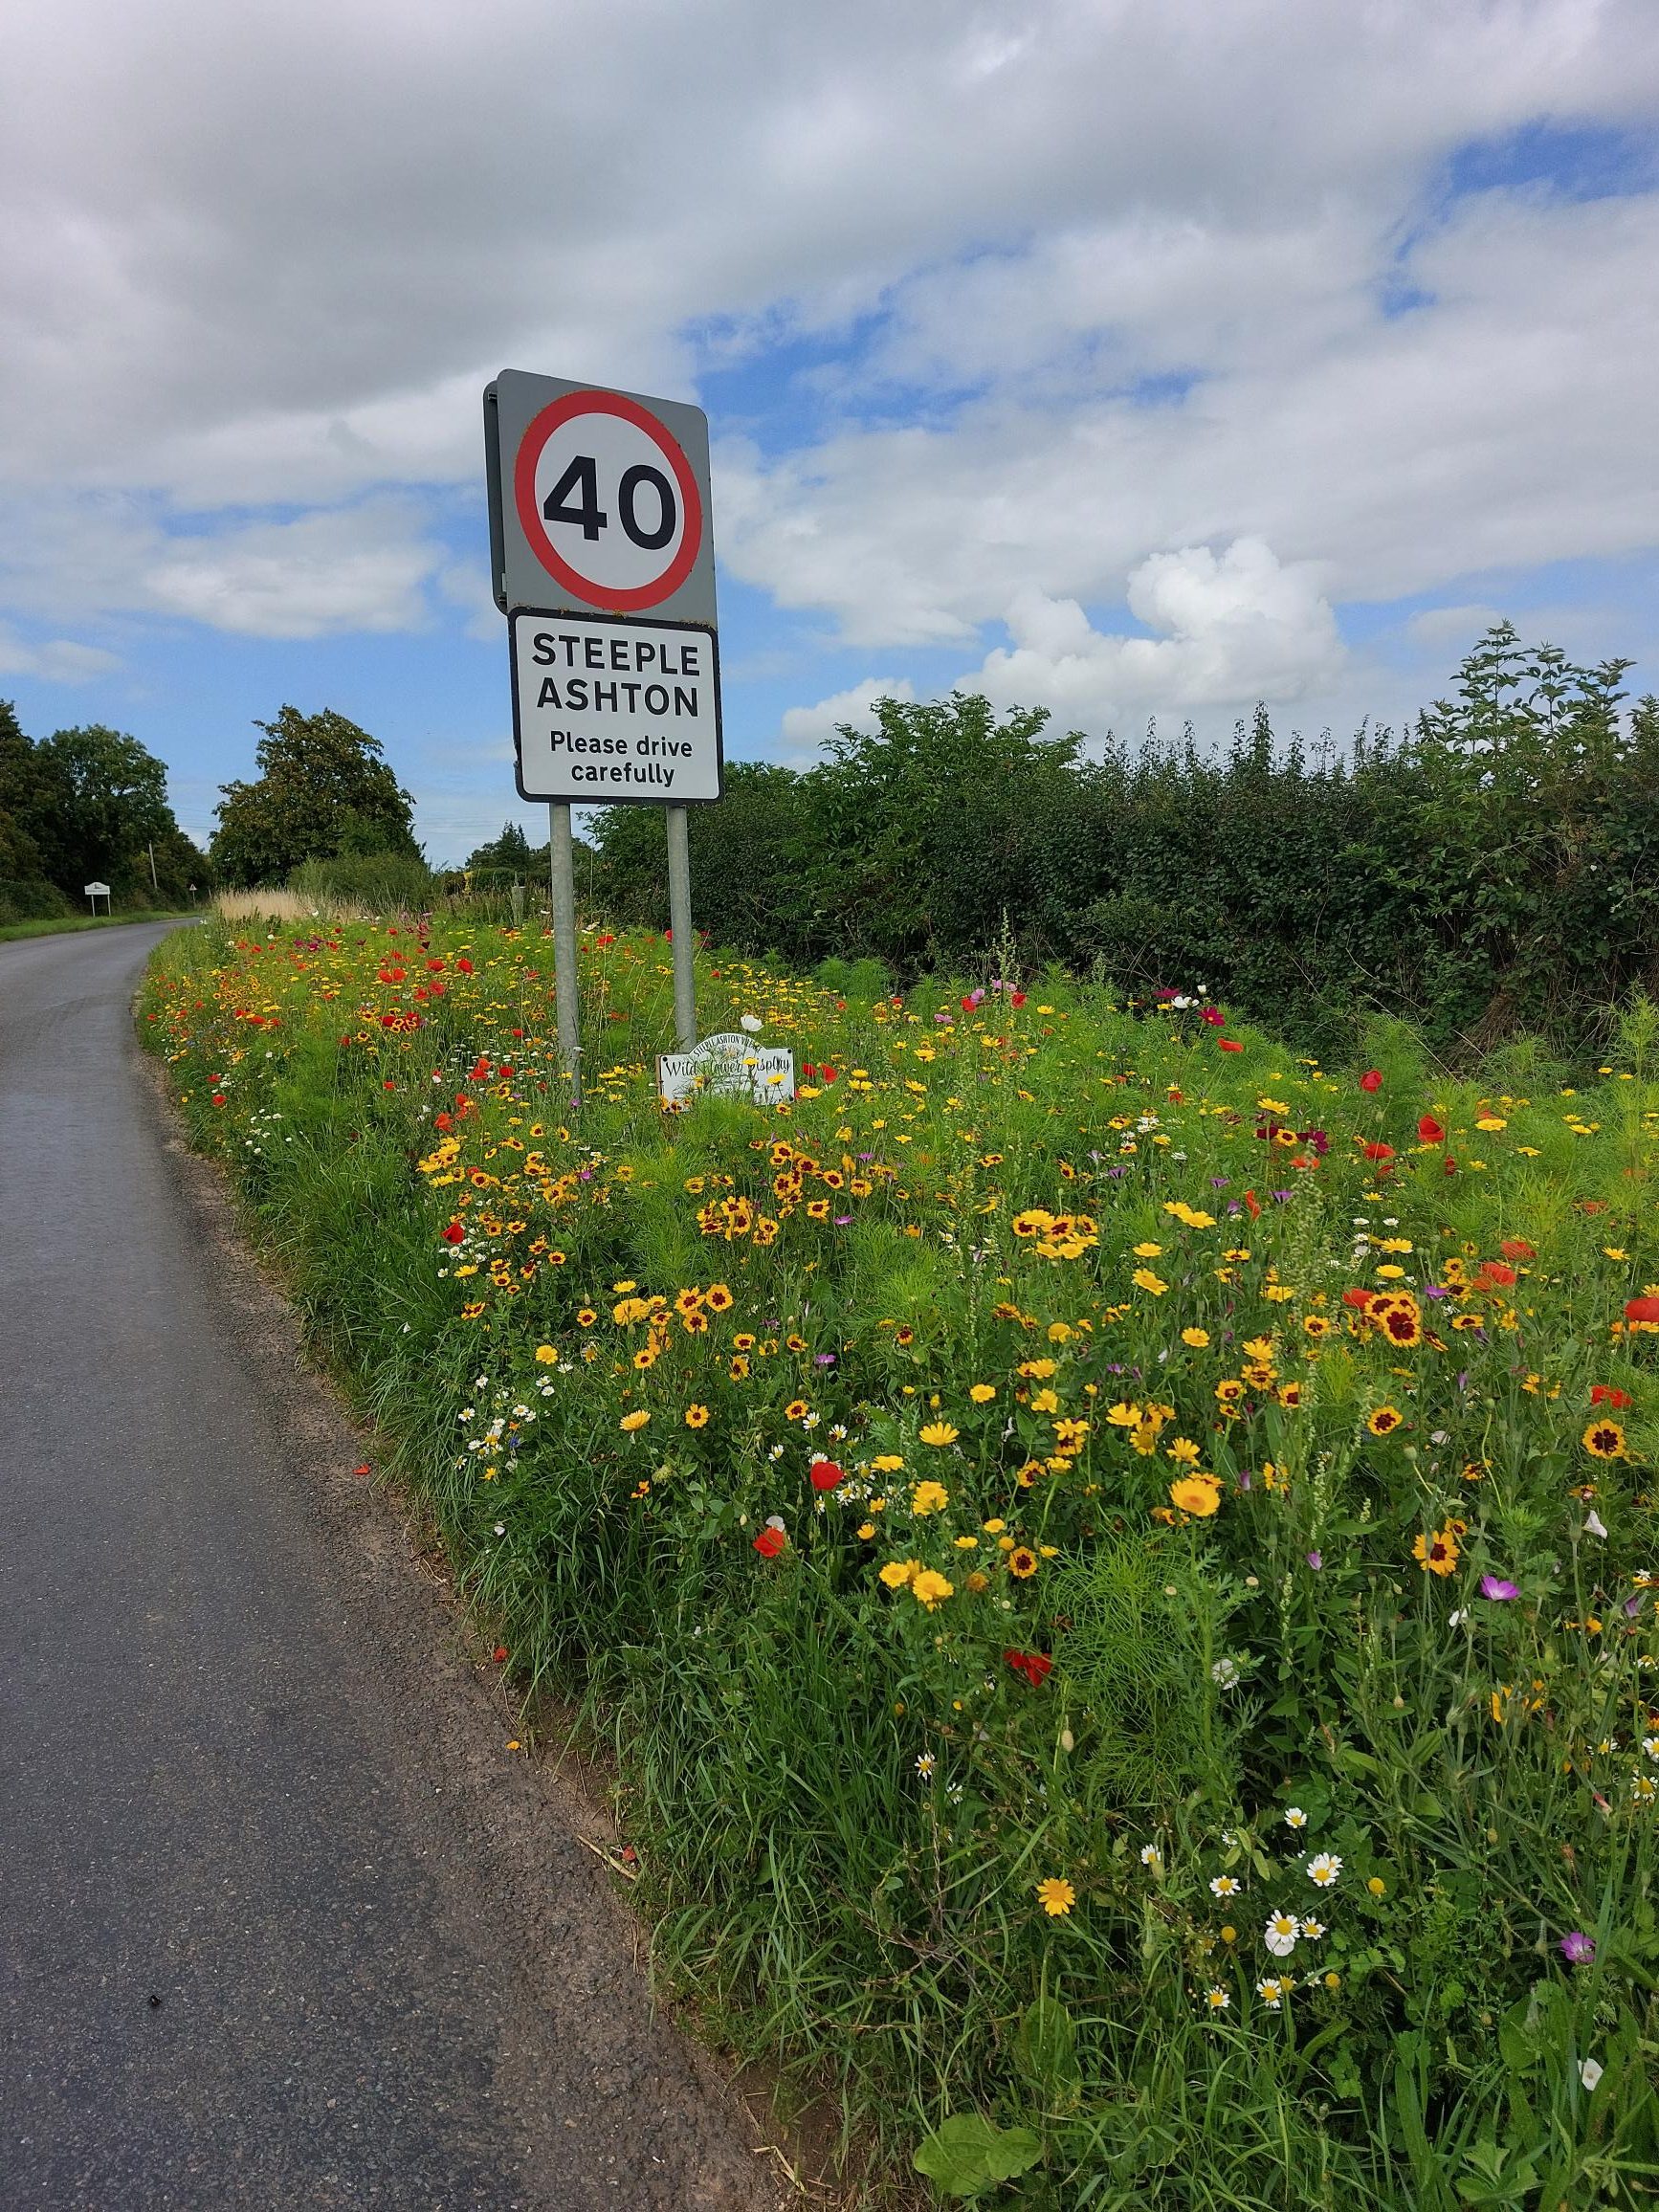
(283, 1923)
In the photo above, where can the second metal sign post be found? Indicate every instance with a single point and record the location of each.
(602, 559)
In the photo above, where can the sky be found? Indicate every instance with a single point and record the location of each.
(1138, 362)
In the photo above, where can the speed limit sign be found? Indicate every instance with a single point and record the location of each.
(599, 501)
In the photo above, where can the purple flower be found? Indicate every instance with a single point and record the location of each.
(1435, 1290)
(1578, 1949)
(824, 1359)
(1316, 1560)
(1117, 1171)
(1496, 1588)
(1218, 1182)
(1233, 1206)
(842, 1218)
(1280, 1196)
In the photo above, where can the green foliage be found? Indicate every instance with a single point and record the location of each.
(1493, 871)
(83, 806)
(324, 792)
(1197, 1748)
(380, 883)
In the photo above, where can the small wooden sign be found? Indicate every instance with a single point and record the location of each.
(732, 1066)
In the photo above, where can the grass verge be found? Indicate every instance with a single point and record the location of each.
(57, 925)
(1117, 1566)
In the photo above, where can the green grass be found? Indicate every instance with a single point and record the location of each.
(1162, 1628)
(49, 925)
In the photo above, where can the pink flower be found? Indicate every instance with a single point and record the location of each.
(1494, 1587)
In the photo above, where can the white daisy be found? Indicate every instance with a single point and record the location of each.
(1282, 1931)
(1225, 1885)
(1296, 1818)
(1323, 1869)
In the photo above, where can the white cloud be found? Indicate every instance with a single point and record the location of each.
(268, 256)
(53, 659)
(357, 568)
(1234, 628)
(805, 728)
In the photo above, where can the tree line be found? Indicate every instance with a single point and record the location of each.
(1494, 869)
(87, 805)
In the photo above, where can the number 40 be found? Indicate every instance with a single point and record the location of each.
(575, 498)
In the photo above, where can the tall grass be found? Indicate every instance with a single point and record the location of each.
(1057, 1498)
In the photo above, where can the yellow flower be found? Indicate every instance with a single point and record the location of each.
(993, 1528)
(983, 1393)
(1604, 1440)
(1384, 1419)
(1023, 1562)
(1124, 1416)
(696, 1416)
(1045, 1401)
(1490, 1121)
(636, 1420)
(1144, 1279)
(1182, 1450)
(1377, 1885)
(930, 1588)
(886, 1462)
(1198, 1338)
(545, 1355)
(1057, 1896)
(1196, 1495)
(928, 1498)
(1437, 1555)
(1149, 1252)
(940, 1433)
(897, 1572)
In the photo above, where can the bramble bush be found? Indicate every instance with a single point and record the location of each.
(1493, 872)
(1118, 1564)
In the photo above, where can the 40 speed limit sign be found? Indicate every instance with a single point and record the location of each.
(599, 501)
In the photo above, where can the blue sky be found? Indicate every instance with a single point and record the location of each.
(1138, 368)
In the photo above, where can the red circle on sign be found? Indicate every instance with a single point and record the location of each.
(541, 428)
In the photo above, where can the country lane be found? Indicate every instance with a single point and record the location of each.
(283, 1922)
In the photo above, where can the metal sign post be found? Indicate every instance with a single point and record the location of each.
(602, 559)
(561, 884)
(679, 922)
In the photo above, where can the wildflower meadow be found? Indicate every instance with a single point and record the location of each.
(1116, 1563)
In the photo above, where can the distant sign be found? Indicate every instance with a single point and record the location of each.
(731, 1066)
(97, 891)
(599, 501)
(612, 710)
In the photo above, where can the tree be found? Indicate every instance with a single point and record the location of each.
(106, 799)
(325, 790)
(512, 851)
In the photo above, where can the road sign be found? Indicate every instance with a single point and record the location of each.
(609, 711)
(602, 557)
(599, 501)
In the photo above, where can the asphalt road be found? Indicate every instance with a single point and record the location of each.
(283, 1923)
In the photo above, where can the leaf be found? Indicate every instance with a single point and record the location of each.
(967, 2152)
(1046, 2051)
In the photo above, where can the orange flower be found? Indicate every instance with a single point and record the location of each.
(1196, 1494)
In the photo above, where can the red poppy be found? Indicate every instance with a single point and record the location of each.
(1254, 1203)
(1377, 1151)
(1035, 1666)
(771, 1542)
(807, 1070)
(825, 1475)
(827, 1074)
(1015, 998)
(1641, 1309)
(1371, 1079)
(1431, 1131)
(1517, 1247)
(465, 965)
(1450, 1164)
(1230, 1045)
(1358, 1297)
(1604, 1394)
(453, 1233)
(1494, 1276)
